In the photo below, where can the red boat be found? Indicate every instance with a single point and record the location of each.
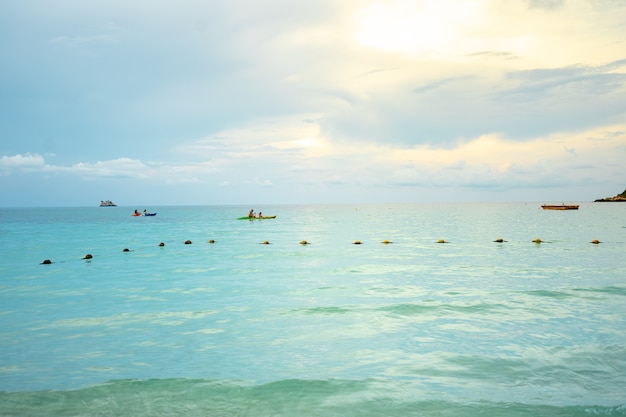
(561, 207)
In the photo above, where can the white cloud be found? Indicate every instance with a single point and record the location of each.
(21, 161)
(122, 167)
(117, 168)
(26, 162)
(307, 155)
(84, 39)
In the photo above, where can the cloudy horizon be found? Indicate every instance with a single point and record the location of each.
(276, 102)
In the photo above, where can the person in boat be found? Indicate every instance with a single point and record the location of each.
(251, 214)
(260, 214)
(137, 213)
(145, 212)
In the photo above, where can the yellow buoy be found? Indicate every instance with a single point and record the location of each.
(441, 241)
(595, 241)
(304, 242)
(357, 242)
(265, 242)
(211, 241)
(499, 240)
(537, 240)
(386, 242)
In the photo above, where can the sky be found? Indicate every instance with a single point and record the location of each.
(218, 102)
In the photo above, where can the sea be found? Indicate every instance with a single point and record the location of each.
(325, 310)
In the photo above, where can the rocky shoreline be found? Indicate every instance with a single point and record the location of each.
(618, 198)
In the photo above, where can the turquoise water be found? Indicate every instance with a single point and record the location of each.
(239, 328)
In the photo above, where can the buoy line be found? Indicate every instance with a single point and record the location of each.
(88, 257)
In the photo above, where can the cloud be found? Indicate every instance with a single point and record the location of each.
(493, 54)
(545, 4)
(586, 80)
(302, 154)
(78, 40)
(330, 94)
(26, 162)
(301, 158)
(117, 168)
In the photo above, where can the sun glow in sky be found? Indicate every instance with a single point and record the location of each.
(233, 102)
(413, 27)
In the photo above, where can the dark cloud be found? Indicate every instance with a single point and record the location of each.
(523, 105)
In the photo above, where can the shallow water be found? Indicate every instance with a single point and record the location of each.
(235, 327)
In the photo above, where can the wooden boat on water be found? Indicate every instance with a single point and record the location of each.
(560, 207)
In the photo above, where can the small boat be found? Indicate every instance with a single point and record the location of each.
(256, 218)
(149, 214)
(107, 203)
(560, 207)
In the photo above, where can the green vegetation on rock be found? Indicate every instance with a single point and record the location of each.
(619, 197)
